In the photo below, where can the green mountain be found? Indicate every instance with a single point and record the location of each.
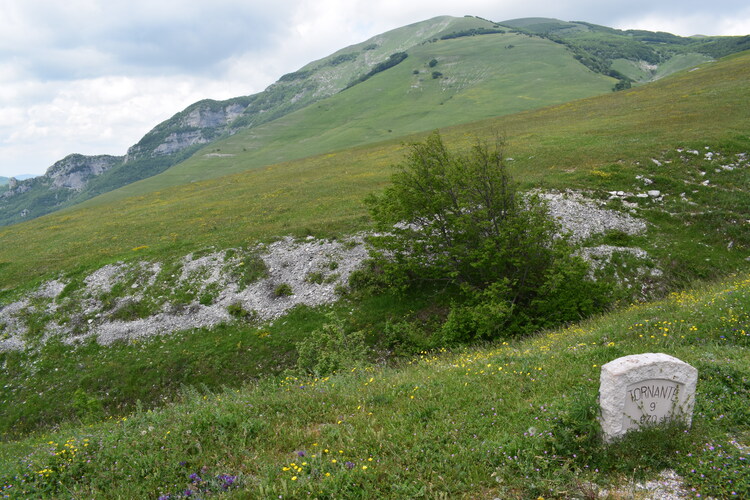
(631, 55)
(444, 71)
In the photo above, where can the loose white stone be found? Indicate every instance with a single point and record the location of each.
(645, 389)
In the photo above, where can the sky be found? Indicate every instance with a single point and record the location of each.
(94, 76)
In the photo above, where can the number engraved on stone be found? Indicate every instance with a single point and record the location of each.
(650, 402)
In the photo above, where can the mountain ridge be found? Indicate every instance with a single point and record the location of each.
(205, 122)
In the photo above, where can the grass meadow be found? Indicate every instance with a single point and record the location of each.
(513, 419)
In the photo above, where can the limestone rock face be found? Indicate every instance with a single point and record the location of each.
(645, 389)
(200, 123)
(205, 117)
(74, 171)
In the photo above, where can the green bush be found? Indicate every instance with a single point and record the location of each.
(457, 220)
(283, 290)
(331, 349)
(315, 277)
(237, 310)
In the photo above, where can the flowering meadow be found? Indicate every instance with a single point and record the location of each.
(514, 419)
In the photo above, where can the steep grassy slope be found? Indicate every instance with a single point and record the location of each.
(591, 143)
(479, 77)
(176, 138)
(484, 62)
(515, 419)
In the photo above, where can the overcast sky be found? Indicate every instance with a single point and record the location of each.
(93, 76)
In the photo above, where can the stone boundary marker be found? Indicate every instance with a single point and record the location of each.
(645, 389)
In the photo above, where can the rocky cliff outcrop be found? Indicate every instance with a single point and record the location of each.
(74, 171)
(200, 123)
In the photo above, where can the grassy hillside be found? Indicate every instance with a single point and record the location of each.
(178, 137)
(516, 419)
(591, 143)
(631, 56)
(696, 231)
(512, 419)
(479, 77)
(458, 70)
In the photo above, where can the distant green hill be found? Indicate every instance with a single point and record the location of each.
(631, 55)
(471, 78)
(436, 73)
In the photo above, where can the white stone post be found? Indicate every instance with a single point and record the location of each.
(645, 389)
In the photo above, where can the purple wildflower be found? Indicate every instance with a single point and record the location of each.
(300, 453)
(195, 478)
(227, 480)
(349, 465)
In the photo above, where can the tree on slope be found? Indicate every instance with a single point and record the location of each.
(458, 219)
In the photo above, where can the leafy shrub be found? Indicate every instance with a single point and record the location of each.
(283, 290)
(250, 269)
(297, 75)
(457, 220)
(340, 59)
(436, 75)
(471, 32)
(331, 349)
(237, 310)
(131, 309)
(621, 85)
(432, 63)
(315, 277)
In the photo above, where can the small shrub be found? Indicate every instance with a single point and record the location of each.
(331, 349)
(283, 290)
(316, 278)
(436, 75)
(238, 311)
(369, 278)
(131, 309)
(617, 237)
(331, 278)
(432, 63)
(88, 408)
